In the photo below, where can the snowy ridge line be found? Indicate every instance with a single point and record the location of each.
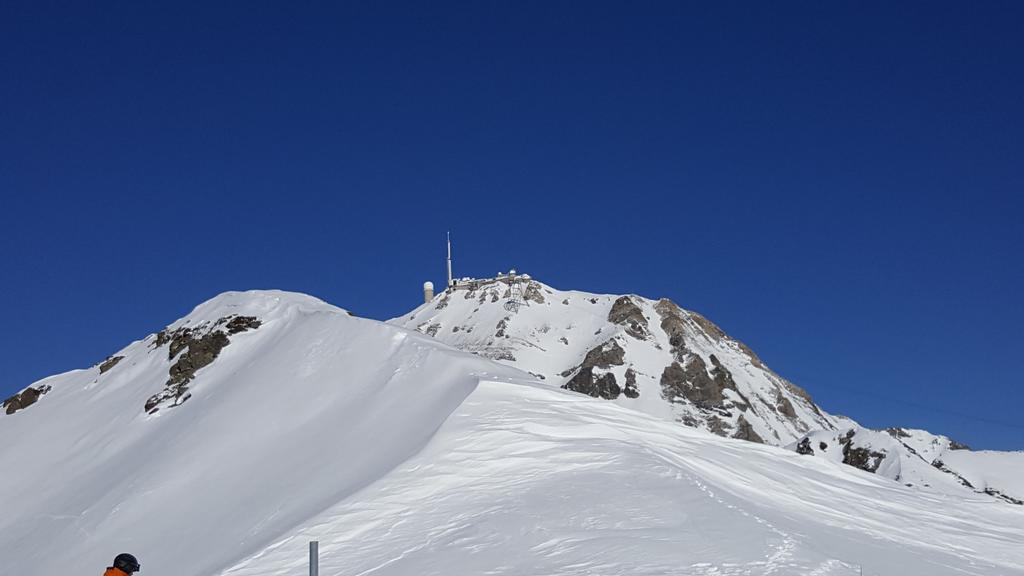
(657, 358)
(403, 455)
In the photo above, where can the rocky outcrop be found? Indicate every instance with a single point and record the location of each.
(500, 329)
(533, 293)
(693, 382)
(192, 349)
(605, 356)
(24, 399)
(859, 457)
(605, 385)
(673, 324)
(804, 447)
(626, 313)
(586, 382)
(631, 390)
(109, 363)
(784, 406)
(744, 431)
(237, 324)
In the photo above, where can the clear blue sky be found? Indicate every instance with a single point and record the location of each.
(837, 184)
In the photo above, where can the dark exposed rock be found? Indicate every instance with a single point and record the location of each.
(804, 447)
(784, 406)
(1006, 497)
(180, 340)
(630, 390)
(502, 325)
(954, 445)
(443, 302)
(194, 348)
(603, 386)
(674, 326)
(744, 431)
(162, 338)
(716, 426)
(236, 324)
(533, 293)
(564, 340)
(693, 382)
(823, 446)
(723, 378)
(24, 399)
(109, 363)
(897, 433)
(605, 356)
(626, 313)
(863, 458)
(200, 352)
(432, 329)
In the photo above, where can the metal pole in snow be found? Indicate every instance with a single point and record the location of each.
(314, 558)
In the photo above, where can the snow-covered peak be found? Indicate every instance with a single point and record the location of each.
(402, 455)
(263, 304)
(650, 355)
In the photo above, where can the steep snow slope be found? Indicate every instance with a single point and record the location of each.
(220, 445)
(526, 480)
(289, 418)
(644, 354)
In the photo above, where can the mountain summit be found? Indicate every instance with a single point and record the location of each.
(649, 355)
(675, 364)
(224, 442)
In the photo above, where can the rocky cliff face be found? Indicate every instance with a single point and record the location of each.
(651, 355)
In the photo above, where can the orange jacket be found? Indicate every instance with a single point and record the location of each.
(114, 572)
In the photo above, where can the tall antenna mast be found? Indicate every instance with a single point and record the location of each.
(449, 259)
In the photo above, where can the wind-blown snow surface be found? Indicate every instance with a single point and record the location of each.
(403, 456)
(291, 418)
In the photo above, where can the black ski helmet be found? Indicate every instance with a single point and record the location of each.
(126, 563)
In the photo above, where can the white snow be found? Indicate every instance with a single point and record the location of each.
(404, 456)
(548, 338)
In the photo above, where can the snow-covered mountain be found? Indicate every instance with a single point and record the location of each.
(222, 444)
(650, 355)
(920, 458)
(653, 356)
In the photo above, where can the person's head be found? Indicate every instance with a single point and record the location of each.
(126, 563)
